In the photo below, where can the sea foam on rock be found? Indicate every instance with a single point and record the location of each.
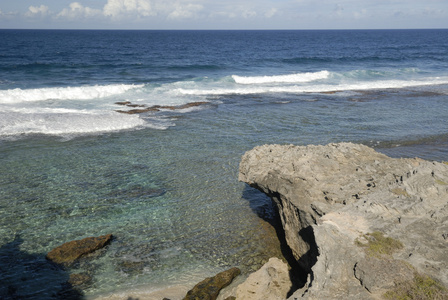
(331, 198)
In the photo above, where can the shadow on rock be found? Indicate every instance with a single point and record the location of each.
(31, 276)
(266, 209)
(262, 205)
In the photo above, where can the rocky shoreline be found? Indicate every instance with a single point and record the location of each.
(359, 225)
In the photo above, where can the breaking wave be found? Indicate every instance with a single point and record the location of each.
(291, 78)
(64, 93)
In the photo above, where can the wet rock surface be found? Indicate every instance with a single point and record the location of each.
(209, 288)
(330, 197)
(68, 253)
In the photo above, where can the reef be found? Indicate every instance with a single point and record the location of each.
(142, 108)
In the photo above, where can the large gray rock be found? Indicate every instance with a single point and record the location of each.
(329, 197)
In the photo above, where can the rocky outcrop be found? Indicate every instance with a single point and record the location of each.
(209, 288)
(271, 282)
(332, 199)
(68, 253)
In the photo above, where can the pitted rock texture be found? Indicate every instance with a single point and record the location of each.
(329, 196)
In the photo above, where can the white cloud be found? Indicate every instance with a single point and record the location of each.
(249, 14)
(118, 9)
(360, 14)
(77, 11)
(185, 11)
(42, 10)
(433, 12)
(339, 9)
(222, 15)
(8, 15)
(228, 14)
(270, 13)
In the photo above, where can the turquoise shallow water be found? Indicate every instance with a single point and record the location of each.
(171, 199)
(165, 183)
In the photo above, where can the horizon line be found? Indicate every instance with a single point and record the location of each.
(141, 29)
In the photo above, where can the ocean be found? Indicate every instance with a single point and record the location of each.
(140, 133)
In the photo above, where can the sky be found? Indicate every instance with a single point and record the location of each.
(219, 14)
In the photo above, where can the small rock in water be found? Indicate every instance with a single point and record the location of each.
(209, 288)
(68, 253)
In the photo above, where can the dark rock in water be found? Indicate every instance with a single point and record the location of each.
(137, 111)
(209, 288)
(123, 103)
(136, 105)
(68, 253)
(131, 267)
(79, 279)
(138, 191)
(155, 107)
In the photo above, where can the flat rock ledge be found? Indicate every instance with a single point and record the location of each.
(339, 202)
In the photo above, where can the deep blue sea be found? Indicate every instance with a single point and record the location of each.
(164, 181)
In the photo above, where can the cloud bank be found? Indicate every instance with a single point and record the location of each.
(231, 14)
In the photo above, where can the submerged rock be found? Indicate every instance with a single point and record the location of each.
(79, 279)
(68, 253)
(137, 191)
(330, 197)
(209, 288)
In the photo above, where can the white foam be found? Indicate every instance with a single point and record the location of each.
(67, 110)
(291, 78)
(13, 124)
(64, 93)
(313, 88)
